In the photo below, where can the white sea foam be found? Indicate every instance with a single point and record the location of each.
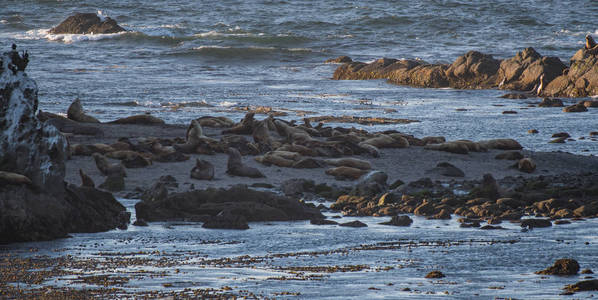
(37, 34)
(102, 15)
(227, 103)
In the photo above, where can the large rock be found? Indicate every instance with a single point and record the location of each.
(87, 23)
(46, 208)
(522, 72)
(238, 200)
(580, 80)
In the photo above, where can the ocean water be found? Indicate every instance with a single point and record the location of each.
(184, 59)
(236, 53)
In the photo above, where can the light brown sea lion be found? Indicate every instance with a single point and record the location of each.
(75, 112)
(106, 168)
(590, 43)
(236, 167)
(346, 173)
(349, 162)
(303, 150)
(139, 120)
(372, 150)
(433, 140)
(203, 170)
(386, 141)
(86, 180)
(13, 178)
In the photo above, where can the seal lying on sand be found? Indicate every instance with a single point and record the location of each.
(236, 167)
(13, 178)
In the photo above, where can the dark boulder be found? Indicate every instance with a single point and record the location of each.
(239, 200)
(87, 23)
(536, 223)
(551, 102)
(322, 222)
(355, 224)
(226, 220)
(399, 221)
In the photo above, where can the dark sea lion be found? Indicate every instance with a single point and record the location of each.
(236, 167)
(244, 127)
(139, 120)
(203, 170)
(86, 180)
(106, 168)
(75, 112)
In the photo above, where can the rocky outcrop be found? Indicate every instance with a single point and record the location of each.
(87, 23)
(579, 80)
(523, 71)
(44, 207)
(203, 205)
(526, 71)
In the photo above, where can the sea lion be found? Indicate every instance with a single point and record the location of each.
(106, 168)
(590, 43)
(526, 165)
(341, 173)
(236, 167)
(86, 180)
(386, 141)
(303, 150)
(194, 138)
(278, 158)
(75, 112)
(372, 150)
(261, 136)
(244, 127)
(349, 162)
(203, 170)
(139, 120)
(13, 178)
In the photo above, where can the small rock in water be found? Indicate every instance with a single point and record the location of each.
(399, 221)
(564, 266)
(435, 274)
(354, 224)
